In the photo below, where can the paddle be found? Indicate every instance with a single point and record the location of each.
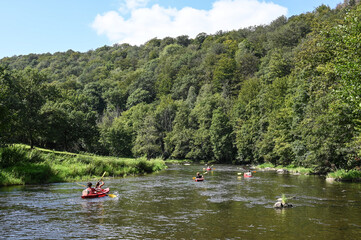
(81, 185)
(102, 176)
(110, 195)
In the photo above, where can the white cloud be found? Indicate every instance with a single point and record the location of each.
(145, 23)
(133, 4)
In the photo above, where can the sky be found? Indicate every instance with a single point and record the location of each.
(49, 26)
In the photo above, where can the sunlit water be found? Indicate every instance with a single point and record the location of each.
(171, 205)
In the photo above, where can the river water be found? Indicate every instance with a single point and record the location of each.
(171, 205)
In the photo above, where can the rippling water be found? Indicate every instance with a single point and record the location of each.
(170, 205)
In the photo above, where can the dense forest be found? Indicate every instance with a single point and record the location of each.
(285, 93)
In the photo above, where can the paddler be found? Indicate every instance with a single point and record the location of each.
(99, 185)
(199, 175)
(89, 190)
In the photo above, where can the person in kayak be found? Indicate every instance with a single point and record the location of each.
(99, 185)
(199, 175)
(89, 190)
(249, 173)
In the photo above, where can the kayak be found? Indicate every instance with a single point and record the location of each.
(199, 179)
(246, 175)
(103, 193)
(209, 169)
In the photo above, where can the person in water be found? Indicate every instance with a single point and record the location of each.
(199, 175)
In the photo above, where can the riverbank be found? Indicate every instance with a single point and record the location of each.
(20, 165)
(339, 175)
(286, 169)
(345, 176)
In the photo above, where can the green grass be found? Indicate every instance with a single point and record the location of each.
(21, 165)
(284, 199)
(265, 165)
(301, 170)
(291, 168)
(345, 175)
(175, 161)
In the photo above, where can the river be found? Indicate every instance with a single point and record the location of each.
(171, 205)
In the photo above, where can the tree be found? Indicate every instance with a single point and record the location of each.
(177, 142)
(147, 142)
(224, 73)
(31, 99)
(118, 138)
(7, 114)
(221, 137)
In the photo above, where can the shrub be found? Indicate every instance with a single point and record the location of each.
(10, 156)
(347, 175)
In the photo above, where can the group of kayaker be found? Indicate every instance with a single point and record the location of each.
(91, 190)
(200, 176)
(248, 174)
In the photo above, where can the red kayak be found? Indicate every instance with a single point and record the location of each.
(209, 169)
(246, 175)
(103, 193)
(199, 179)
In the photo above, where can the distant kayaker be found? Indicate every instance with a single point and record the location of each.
(249, 173)
(199, 175)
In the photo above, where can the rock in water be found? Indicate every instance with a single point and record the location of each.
(281, 205)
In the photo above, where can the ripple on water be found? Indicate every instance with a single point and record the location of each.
(167, 205)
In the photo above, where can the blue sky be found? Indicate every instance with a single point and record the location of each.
(41, 26)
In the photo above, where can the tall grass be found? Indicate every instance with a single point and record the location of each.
(291, 168)
(346, 175)
(20, 165)
(265, 165)
(284, 199)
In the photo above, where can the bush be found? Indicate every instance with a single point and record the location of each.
(10, 156)
(265, 165)
(346, 175)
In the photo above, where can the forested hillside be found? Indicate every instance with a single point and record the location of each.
(286, 93)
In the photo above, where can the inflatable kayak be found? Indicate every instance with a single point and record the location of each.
(103, 193)
(209, 169)
(246, 175)
(199, 179)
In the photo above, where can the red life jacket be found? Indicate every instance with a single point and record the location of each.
(91, 190)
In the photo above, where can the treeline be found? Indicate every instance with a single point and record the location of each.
(286, 93)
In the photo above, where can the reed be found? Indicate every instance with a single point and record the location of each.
(284, 199)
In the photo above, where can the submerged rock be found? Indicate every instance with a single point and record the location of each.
(330, 180)
(282, 171)
(282, 205)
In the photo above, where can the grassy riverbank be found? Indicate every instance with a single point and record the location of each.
(339, 175)
(344, 175)
(290, 168)
(21, 165)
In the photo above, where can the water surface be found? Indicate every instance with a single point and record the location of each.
(170, 205)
